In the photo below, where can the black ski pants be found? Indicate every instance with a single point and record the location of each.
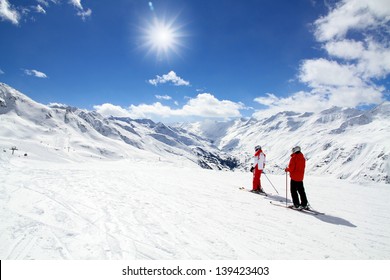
(296, 188)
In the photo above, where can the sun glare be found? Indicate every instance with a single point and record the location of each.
(162, 37)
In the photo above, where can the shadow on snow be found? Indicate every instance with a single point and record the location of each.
(324, 218)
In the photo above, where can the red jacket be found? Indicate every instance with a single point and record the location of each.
(296, 167)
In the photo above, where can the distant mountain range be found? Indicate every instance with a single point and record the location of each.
(69, 133)
(340, 142)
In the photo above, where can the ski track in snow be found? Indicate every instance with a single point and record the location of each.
(155, 210)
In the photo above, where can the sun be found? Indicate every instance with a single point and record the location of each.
(162, 37)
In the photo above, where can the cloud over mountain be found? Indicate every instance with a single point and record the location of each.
(355, 38)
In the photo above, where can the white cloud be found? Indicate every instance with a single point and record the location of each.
(375, 60)
(150, 111)
(57, 105)
(299, 102)
(8, 13)
(108, 110)
(163, 97)
(354, 96)
(15, 14)
(269, 100)
(345, 49)
(1, 72)
(170, 77)
(360, 62)
(43, 2)
(203, 105)
(39, 9)
(83, 13)
(350, 74)
(35, 73)
(352, 15)
(315, 101)
(46, 2)
(206, 105)
(321, 72)
(372, 59)
(77, 4)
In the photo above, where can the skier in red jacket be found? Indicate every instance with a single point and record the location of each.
(296, 167)
(257, 169)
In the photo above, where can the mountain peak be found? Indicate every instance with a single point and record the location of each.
(13, 100)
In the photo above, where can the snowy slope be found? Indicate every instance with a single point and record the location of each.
(118, 210)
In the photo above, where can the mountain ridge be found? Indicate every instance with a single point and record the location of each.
(90, 134)
(340, 142)
(343, 142)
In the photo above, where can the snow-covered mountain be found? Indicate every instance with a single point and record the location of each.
(340, 142)
(72, 133)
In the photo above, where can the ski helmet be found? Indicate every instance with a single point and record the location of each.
(257, 147)
(296, 149)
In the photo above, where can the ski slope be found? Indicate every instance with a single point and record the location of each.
(159, 210)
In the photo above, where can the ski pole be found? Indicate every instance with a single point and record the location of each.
(271, 183)
(286, 188)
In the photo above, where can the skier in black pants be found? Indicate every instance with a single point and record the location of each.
(296, 167)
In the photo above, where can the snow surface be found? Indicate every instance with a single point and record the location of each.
(150, 209)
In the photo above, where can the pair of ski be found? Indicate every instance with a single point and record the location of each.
(259, 193)
(306, 211)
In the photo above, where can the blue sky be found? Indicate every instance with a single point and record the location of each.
(184, 60)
